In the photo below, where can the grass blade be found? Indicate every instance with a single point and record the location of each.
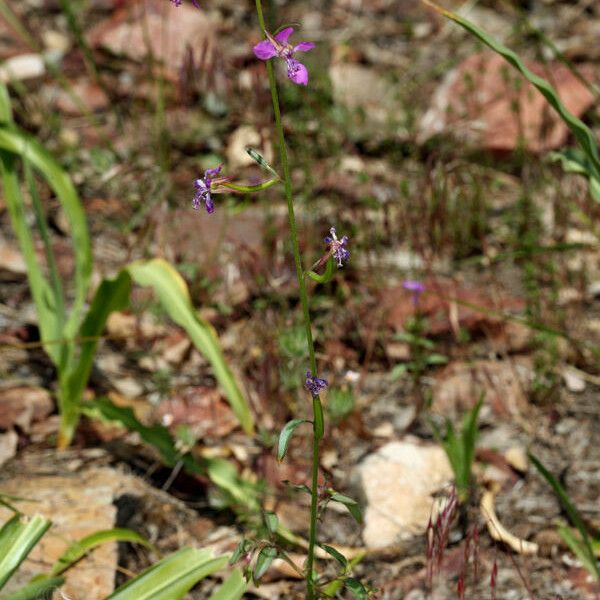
(36, 589)
(172, 577)
(233, 588)
(582, 133)
(173, 294)
(17, 538)
(79, 549)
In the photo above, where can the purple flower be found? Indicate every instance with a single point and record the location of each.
(314, 385)
(204, 187)
(178, 3)
(416, 287)
(338, 247)
(279, 46)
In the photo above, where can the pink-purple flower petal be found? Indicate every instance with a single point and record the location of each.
(283, 36)
(265, 50)
(297, 72)
(304, 47)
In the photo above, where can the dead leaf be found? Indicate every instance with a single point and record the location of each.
(21, 406)
(201, 408)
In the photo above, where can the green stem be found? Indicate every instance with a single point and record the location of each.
(317, 407)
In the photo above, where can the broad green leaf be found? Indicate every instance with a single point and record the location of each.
(579, 129)
(18, 536)
(111, 295)
(172, 577)
(173, 294)
(233, 588)
(263, 561)
(79, 549)
(356, 588)
(285, 436)
(36, 589)
(350, 504)
(335, 554)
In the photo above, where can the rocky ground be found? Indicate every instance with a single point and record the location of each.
(434, 158)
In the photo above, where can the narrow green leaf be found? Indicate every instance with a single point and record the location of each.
(327, 275)
(285, 436)
(271, 521)
(36, 589)
(173, 294)
(263, 561)
(41, 290)
(579, 129)
(111, 295)
(350, 504)
(172, 577)
(580, 550)
(233, 588)
(27, 147)
(79, 549)
(335, 554)
(18, 536)
(356, 588)
(569, 508)
(300, 487)
(261, 160)
(241, 548)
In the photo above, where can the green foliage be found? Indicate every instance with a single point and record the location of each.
(588, 163)
(237, 492)
(20, 534)
(69, 337)
(233, 587)
(460, 448)
(172, 577)
(340, 403)
(285, 436)
(582, 545)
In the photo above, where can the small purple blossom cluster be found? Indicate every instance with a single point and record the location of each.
(416, 287)
(278, 46)
(204, 187)
(179, 3)
(338, 247)
(314, 385)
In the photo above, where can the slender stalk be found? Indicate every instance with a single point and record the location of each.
(317, 407)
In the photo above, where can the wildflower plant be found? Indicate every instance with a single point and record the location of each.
(258, 554)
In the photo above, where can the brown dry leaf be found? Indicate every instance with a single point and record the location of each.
(492, 106)
(23, 406)
(200, 408)
(154, 26)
